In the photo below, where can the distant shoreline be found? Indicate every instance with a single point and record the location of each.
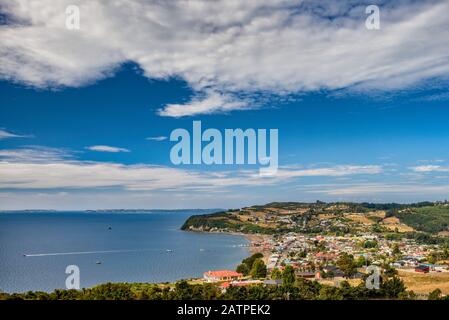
(106, 210)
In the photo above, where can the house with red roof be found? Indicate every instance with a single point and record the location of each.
(222, 275)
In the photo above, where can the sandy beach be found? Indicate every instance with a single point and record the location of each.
(256, 239)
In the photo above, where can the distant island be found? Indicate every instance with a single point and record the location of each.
(146, 210)
(107, 210)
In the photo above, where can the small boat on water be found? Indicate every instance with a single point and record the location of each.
(98, 262)
(201, 249)
(169, 250)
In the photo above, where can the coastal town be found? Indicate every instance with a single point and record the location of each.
(313, 239)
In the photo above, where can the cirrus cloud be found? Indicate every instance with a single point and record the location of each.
(4, 134)
(158, 138)
(102, 148)
(430, 168)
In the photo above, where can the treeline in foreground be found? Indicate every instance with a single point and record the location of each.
(296, 289)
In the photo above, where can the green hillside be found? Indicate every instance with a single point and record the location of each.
(431, 219)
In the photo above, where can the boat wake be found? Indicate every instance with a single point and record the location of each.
(106, 251)
(87, 252)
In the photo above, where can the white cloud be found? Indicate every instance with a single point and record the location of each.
(225, 47)
(90, 175)
(102, 148)
(32, 154)
(379, 188)
(29, 169)
(336, 171)
(431, 168)
(213, 102)
(7, 135)
(431, 160)
(159, 138)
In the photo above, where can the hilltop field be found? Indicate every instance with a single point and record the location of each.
(419, 220)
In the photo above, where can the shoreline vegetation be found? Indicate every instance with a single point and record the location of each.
(311, 251)
(284, 285)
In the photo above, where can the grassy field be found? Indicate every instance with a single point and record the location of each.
(417, 282)
(393, 223)
(425, 283)
(336, 282)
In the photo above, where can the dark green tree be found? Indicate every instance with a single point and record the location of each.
(370, 244)
(259, 269)
(276, 274)
(389, 271)
(288, 276)
(243, 268)
(250, 260)
(396, 251)
(183, 291)
(361, 261)
(434, 295)
(329, 293)
(393, 287)
(110, 291)
(347, 264)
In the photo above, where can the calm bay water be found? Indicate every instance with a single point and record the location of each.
(134, 250)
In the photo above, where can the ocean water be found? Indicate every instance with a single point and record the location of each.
(140, 247)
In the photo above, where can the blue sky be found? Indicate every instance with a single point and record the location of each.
(88, 129)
